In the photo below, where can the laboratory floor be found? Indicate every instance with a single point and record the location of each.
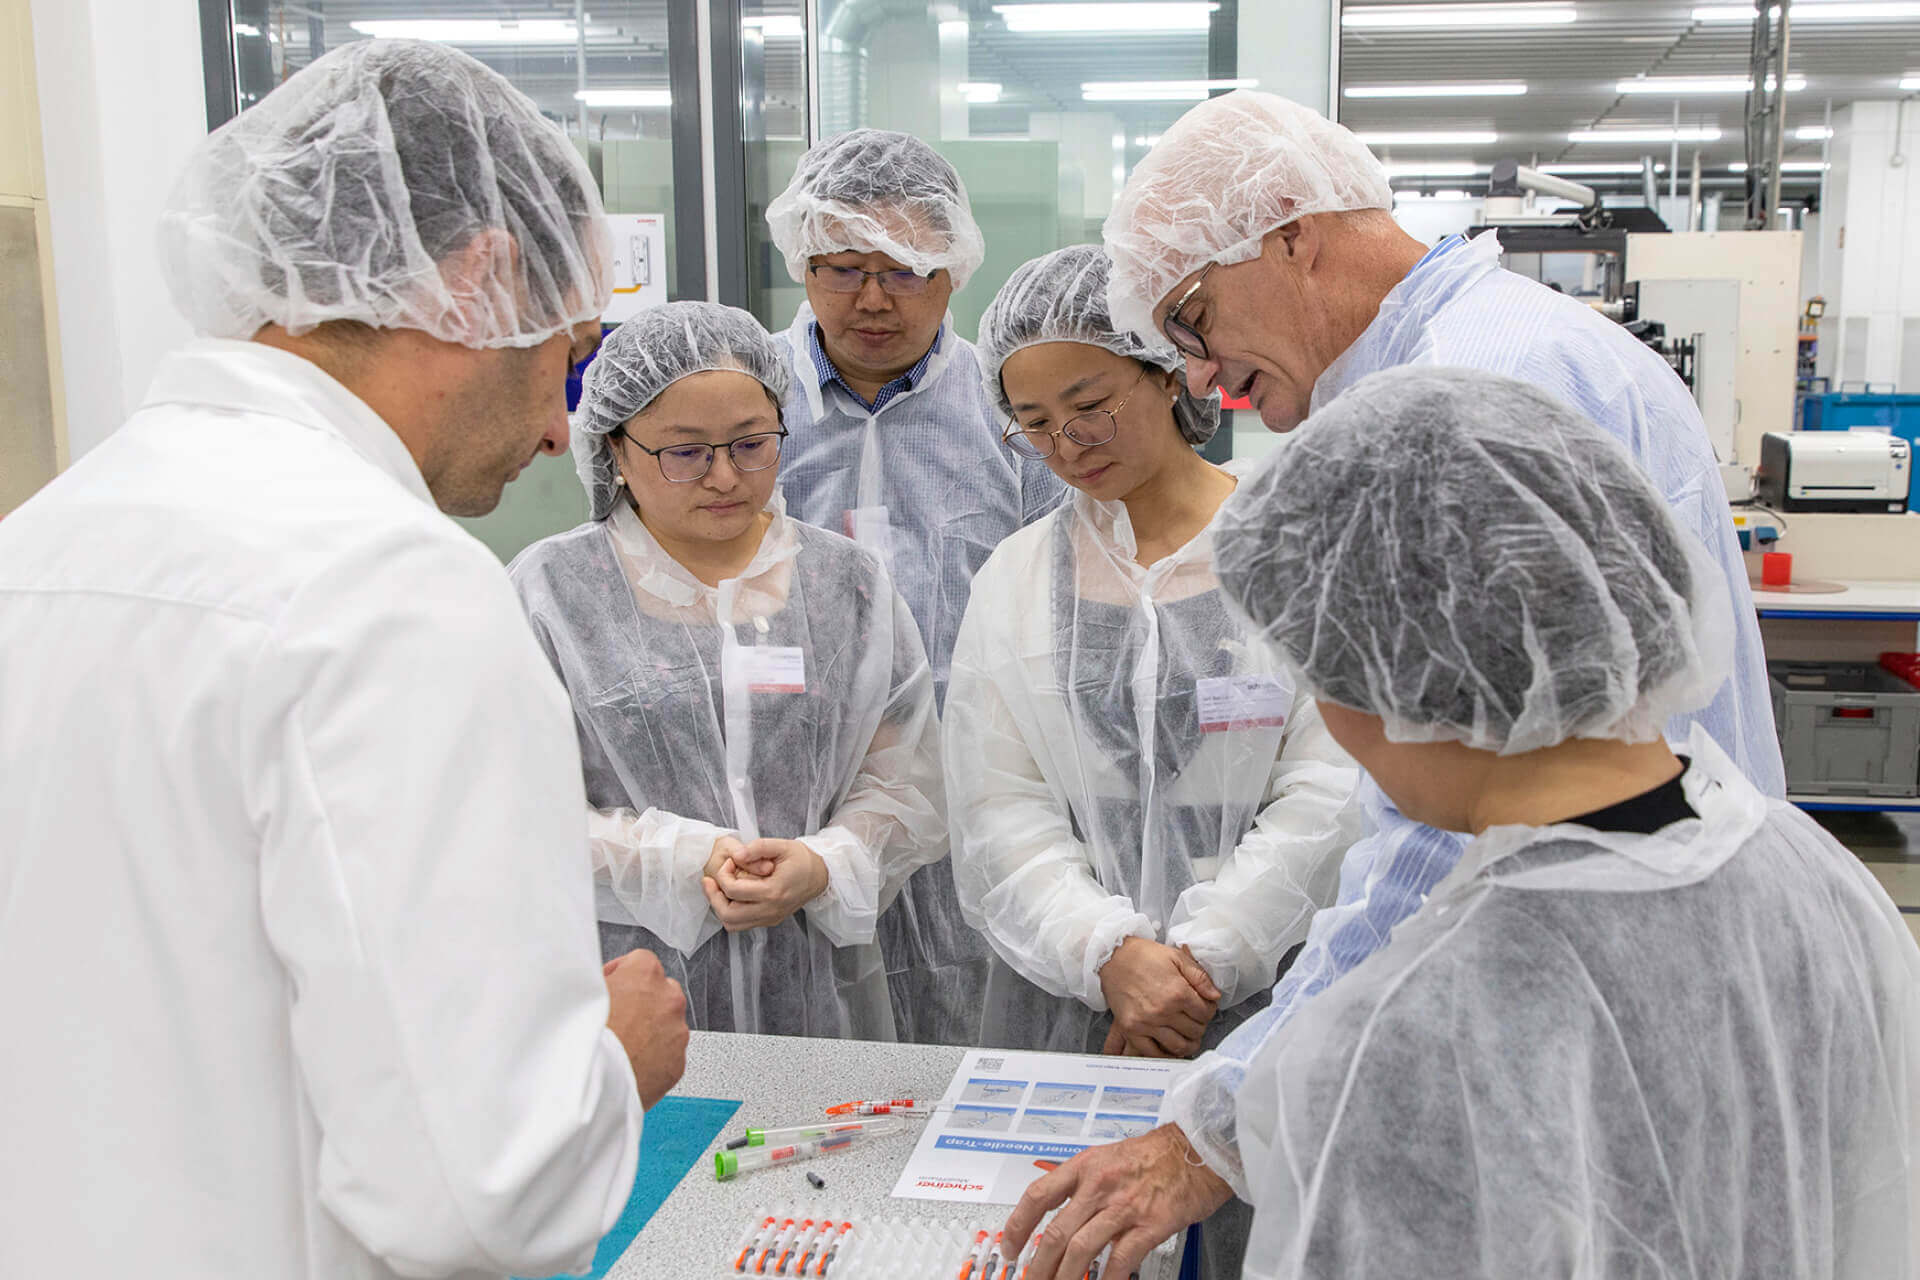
(1889, 843)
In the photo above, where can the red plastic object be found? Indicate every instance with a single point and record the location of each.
(1904, 665)
(1776, 569)
(1853, 713)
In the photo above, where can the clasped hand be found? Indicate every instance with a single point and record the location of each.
(1161, 998)
(760, 883)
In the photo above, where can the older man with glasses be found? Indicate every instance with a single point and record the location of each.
(896, 444)
(1258, 238)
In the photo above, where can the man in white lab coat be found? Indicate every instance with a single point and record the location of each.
(297, 956)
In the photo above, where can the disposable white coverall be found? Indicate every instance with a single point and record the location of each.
(927, 484)
(296, 943)
(1606, 1054)
(687, 738)
(1127, 759)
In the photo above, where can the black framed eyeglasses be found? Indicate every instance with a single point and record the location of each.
(1096, 426)
(1185, 338)
(898, 284)
(685, 463)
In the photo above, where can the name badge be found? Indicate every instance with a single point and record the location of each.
(1243, 702)
(770, 668)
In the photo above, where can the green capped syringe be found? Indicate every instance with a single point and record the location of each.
(806, 1132)
(726, 1164)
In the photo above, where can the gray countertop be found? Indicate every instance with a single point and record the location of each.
(785, 1081)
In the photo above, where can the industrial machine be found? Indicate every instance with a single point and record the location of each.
(1834, 471)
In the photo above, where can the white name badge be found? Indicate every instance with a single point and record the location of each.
(771, 668)
(1243, 702)
(867, 526)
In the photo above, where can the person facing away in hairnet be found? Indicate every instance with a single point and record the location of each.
(897, 445)
(297, 954)
(754, 706)
(1257, 237)
(1653, 1023)
(1145, 812)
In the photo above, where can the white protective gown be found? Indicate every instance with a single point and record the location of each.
(1695, 1053)
(927, 485)
(691, 729)
(296, 943)
(1124, 758)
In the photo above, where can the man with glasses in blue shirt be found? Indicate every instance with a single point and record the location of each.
(896, 444)
(1258, 238)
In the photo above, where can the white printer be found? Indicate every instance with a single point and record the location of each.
(1833, 471)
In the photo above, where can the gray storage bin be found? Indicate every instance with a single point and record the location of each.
(1846, 729)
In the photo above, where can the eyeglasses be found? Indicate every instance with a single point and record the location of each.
(897, 284)
(1094, 427)
(685, 463)
(1185, 338)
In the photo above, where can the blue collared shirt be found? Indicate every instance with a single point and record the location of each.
(829, 374)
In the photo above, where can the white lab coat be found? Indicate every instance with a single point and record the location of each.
(1091, 800)
(297, 955)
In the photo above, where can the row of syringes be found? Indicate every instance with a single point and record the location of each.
(792, 1243)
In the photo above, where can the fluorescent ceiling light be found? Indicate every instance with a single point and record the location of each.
(777, 26)
(1413, 16)
(1438, 169)
(1786, 166)
(980, 91)
(1644, 135)
(1147, 140)
(1435, 91)
(468, 30)
(1812, 133)
(1668, 85)
(625, 97)
(1079, 19)
(1809, 11)
(1910, 83)
(1576, 170)
(1157, 90)
(245, 29)
(1457, 139)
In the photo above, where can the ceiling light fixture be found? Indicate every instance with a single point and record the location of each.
(1812, 133)
(1418, 16)
(625, 97)
(1157, 90)
(777, 26)
(1670, 85)
(1643, 136)
(1438, 169)
(469, 30)
(1454, 139)
(1786, 166)
(1117, 19)
(1577, 170)
(1909, 84)
(1435, 91)
(980, 92)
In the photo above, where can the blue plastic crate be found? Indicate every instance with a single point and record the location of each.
(1845, 410)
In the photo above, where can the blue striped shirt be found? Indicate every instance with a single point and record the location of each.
(829, 372)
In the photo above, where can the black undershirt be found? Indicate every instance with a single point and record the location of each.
(1647, 812)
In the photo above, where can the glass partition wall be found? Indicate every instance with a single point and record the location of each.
(1044, 107)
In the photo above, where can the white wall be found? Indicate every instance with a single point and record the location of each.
(122, 103)
(1869, 262)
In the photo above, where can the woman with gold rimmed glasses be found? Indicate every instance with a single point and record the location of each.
(1144, 813)
(754, 706)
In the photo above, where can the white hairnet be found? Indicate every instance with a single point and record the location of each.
(876, 191)
(349, 191)
(1468, 558)
(1062, 297)
(648, 354)
(1225, 175)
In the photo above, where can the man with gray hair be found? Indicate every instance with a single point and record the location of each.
(896, 444)
(1258, 238)
(298, 950)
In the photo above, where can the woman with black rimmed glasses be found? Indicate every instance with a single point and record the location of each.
(754, 705)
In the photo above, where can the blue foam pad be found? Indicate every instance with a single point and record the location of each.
(677, 1133)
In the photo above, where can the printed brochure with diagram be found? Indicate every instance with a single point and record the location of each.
(1009, 1117)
